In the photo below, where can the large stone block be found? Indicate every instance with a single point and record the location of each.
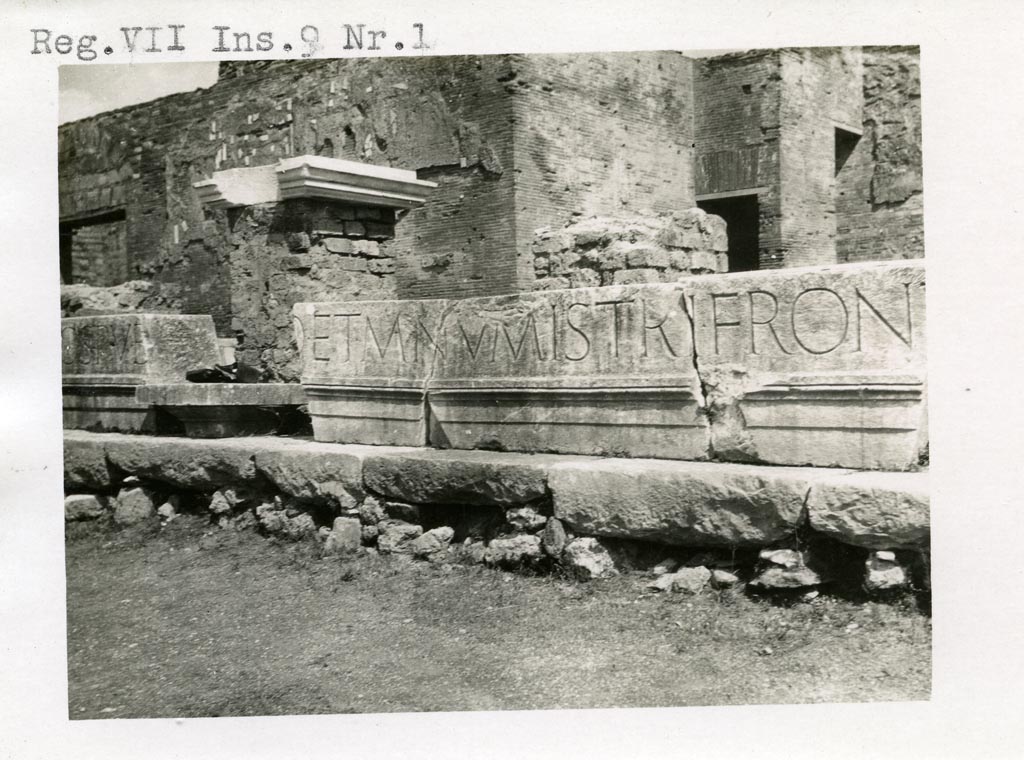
(365, 365)
(878, 510)
(599, 371)
(105, 359)
(326, 472)
(822, 366)
(85, 462)
(683, 503)
(427, 476)
(192, 464)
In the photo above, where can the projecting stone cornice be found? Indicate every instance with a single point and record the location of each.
(315, 177)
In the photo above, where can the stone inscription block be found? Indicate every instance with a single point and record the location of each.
(140, 347)
(106, 358)
(601, 371)
(822, 366)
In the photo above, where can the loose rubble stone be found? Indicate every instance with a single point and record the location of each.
(553, 539)
(371, 511)
(369, 534)
(324, 473)
(274, 519)
(884, 573)
(134, 505)
(723, 579)
(683, 503)
(667, 565)
(785, 569)
(588, 558)
(525, 519)
(474, 551)
(170, 508)
(346, 536)
(513, 550)
(433, 543)
(396, 536)
(85, 462)
(84, 507)
(457, 477)
(876, 510)
(689, 580)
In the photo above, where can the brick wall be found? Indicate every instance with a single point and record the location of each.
(822, 89)
(737, 134)
(606, 134)
(99, 253)
(880, 212)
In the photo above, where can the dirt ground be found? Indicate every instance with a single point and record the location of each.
(194, 621)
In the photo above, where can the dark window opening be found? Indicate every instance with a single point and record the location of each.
(845, 143)
(742, 222)
(94, 251)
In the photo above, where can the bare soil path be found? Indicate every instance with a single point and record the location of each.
(190, 621)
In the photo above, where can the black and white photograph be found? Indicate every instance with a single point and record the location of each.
(454, 387)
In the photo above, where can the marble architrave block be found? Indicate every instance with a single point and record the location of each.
(106, 358)
(820, 366)
(599, 371)
(593, 371)
(365, 368)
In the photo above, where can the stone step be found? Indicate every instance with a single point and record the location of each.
(666, 501)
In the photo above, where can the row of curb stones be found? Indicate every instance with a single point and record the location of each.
(599, 505)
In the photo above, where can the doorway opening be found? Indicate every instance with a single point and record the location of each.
(741, 215)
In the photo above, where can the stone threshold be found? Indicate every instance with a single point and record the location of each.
(681, 503)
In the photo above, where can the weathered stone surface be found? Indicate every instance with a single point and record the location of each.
(170, 508)
(882, 572)
(457, 477)
(136, 348)
(396, 536)
(134, 505)
(105, 358)
(364, 367)
(432, 543)
(553, 538)
(684, 503)
(786, 569)
(877, 510)
(822, 366)
(723, 579)
(369, 534)
(371, 511)
(275, 519)
(689, 580)
(587, 371)
(665, 567)
(526, 519)
(84, 507)
(325, 473)
(346, 536)
(588, 558)
(189, 463)
(513, 550)
(85, 462)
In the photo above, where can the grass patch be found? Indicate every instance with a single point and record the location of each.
(189, 621)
